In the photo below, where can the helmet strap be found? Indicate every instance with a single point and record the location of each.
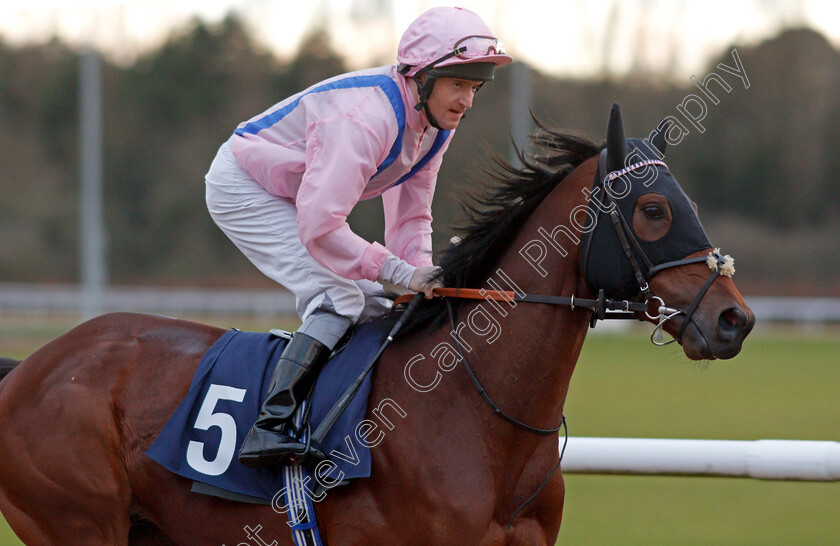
(424, 91)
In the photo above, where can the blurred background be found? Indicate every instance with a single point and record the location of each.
(111, 112)
(175, 78)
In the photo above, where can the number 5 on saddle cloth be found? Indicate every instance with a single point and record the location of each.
(201, 439)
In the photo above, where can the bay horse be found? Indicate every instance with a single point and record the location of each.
(77, 416)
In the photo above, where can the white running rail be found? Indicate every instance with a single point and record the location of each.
(762, 459)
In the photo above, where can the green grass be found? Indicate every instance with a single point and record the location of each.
(784, 385)
(7, 536)
(621, 510)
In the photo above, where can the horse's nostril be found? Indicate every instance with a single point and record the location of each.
(732, 321)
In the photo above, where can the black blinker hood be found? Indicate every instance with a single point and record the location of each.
(603, 260)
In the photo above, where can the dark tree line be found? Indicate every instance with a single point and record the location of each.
(763, 170)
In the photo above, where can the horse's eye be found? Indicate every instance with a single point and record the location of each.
(653, 212)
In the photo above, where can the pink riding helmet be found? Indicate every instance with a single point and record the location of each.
(439, 31)
(448, 42)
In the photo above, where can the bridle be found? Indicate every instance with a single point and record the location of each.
(653, 307)
(645, 271)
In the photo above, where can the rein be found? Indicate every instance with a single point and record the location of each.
(510, 419)
(496, 409)
(602, 308)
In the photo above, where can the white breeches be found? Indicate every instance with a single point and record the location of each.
(264, 227)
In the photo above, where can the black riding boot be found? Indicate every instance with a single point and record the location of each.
(269, 442)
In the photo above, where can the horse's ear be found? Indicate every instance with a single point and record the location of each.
(658, 140)
(616, 145)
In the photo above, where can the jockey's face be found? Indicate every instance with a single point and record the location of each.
(450, 99)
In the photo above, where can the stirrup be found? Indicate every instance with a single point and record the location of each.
(310, 456)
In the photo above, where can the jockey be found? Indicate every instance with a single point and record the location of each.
(282, 186)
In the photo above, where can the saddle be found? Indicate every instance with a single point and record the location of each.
(201, 439)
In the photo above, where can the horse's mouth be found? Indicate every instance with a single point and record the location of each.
(701, 342)
(694, 343)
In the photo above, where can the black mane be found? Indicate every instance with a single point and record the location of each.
(495, 213)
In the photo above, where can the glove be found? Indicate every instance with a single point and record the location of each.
(416, 279)
(425, 279)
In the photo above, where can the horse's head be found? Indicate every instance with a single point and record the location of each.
(648, 244)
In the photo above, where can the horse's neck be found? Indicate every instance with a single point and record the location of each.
(527, 368)
(523, 356)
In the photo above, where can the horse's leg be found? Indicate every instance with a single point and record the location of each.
(61, 496)
(62, 475)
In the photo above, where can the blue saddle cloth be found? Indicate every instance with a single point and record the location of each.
(201, 439)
